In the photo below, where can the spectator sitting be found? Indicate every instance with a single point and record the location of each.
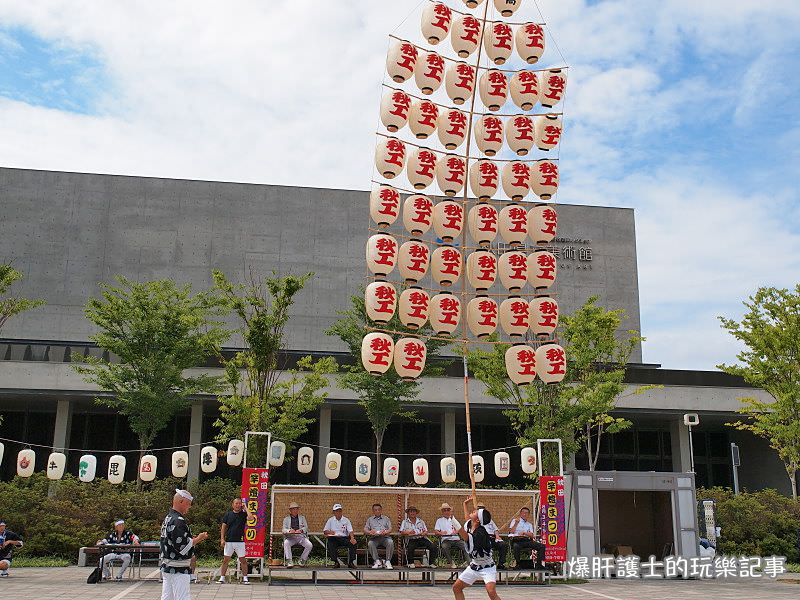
(295, 533)
(447, 527)
(231, 533)
(415, 530)
(339, 531)
(522, 537)
(120, 536)
(497, 541)
(379, 529)
(8, 541)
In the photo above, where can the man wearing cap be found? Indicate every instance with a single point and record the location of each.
(379, 530)
(415, 530)
(120, 536)
(177, 549)
(447, 527)
(231, 534)
(497, 542)
(295, 533)
(8, 541)
(339, 531)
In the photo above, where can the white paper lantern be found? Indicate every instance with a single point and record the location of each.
(514, 316)
(305, 459)
(554, 84)
(502, 464)
(2, 452)
(436, 19)
(148, 465)
(524, 89)
(401, 60)
(420, 467)
(417, 214)
(498, 42)
(544, 316)
(180, 462)
(551, 363)
(422, 118)
(493, 88)
(446, 265)
(235, 453)
(542, 269)
(409, 358)
(380, 301)
(445, 313)
(56, 463)
(481, 270)
(429, 72)
(528, 460)
(333, 465)
(421, 168)
(513, 269)
(520, 134)
(395, 105)
(521, 364)
(489, 134)
(384, 205)
(507, 7)
(482, 316)
(544, 178)
(116, 469)
(530, 42)
(451, 173)
(484, 178)
(391, 471)
(363, 469)
(516, 179)
(377, 351)
(87, 468)
(452, 128)
(448, 219)
(548, 131)
(26, 462)
(414, 307)
(447, 466)
(208, 459)
(542, 223)
(390, 157)
(464, 34)
(381, 254)
(478, 468)
(482, 223)
(277, 453)
(513, 224)
(413, 260)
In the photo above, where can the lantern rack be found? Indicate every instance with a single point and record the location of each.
(497, 251)
(465, 13)
(469, 156)
(461, 199)
(461, 340)
(473, 293)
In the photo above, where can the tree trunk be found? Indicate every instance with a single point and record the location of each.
(589, 452)
(793, 481)
(378, 467)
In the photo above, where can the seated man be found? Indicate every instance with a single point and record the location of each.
(497, 541)
(121, 536)
(447, 527)
(295, 533)
(379, 529)
(415, 530)
(523, 538)
(8, 541)
(339, 531)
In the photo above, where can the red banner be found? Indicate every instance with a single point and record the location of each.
(552, 521)
(255, 490)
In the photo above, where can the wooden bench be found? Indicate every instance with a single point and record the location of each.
(147, 551)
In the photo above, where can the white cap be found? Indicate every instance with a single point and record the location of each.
(184, 494)
(337, 506)
(120, 522)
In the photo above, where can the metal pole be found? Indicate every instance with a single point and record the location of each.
(691, 450)
(735, 461)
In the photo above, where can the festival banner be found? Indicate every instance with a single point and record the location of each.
(552, 522)
(255, 490)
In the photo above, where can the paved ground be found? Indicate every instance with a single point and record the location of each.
(69, 583)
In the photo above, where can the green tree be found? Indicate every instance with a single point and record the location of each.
(770, 360)
(11, 305)
(157, 330)
(387, 396)
(262, 395)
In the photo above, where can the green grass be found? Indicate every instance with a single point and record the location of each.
(793, 567)
(40, 561)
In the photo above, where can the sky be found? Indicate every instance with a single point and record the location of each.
(686, 111)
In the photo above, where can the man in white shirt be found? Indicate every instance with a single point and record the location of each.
(339, 531)
(523, 538)
(414, 531)
(447, 527)
(497, 541)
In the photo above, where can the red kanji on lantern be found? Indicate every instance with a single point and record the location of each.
(527, 362)
(396, 151)
(466, 75)
(488, 218)
(519, 219)
(385, 296)
(419, 258)
(549, 173)
(529, 82)
(555, 356)
(419, 305)
(435, 64)
(502, 36)
(549, 313)
(535, 35)
(423, 209)
(487, 265)
(489, 174)
(449, 310)
(451, 261)
(455, 216)
(456, 169)
(443, 15)
(458, 123)
(408, 56)
(472, 28)
(551, 220)
(551, 134)
(428, 114)
(401, 103)
(524, 127)
(519, 310)
(390, 201)
(498, 84)
(555, 87)
(519, 266)
(414, 354)
(386, 251)
(493, 127)
(380, 349)
(427, 163)
(488, 313)
(522, 174)
(547, 266)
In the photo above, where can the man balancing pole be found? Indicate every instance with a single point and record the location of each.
(177, 549)
(479, 547)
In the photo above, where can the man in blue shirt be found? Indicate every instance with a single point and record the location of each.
(8, 541)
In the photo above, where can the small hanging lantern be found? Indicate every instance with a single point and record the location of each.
(417, 214)
(482, 316)
(148, 465)
(451, 172)
(384, 204)
(56, 463)
(381, 254)
(516, 179)
(521, 364)
(530, 42)
(481, 270)
(391, 471)
(377, 350)
(502, 464)
(445, 313)
(420, 467)
(542, 268)
(429, 72)
(180, 462)
(452, 128)
(448, 220)
(208, 459)
(513, 224)
(478, 468)
(519, 134)
(489, 134)
(380, 301)
(305, 459)
(507, 7)
(447, 466)
(277, 453)
(554, 83)
(333, 465)
(409, 358)
(464, 34)
(482, 223)
(513, 270)
(414, 307)
(422, 118)
(542, 223)
(235, 453)
(26, 462)
(363, 469)
(548, 131)
(436, 19)
(484, 178)
(544, 316)
(528, 460)
(413, 260)
(551, 364)
(395, 105)
(116, 469)
(524, 89)
(544, 178)
(421, 168)
(87, 468)
(497, 41)
(493, 88)
(390, 157)
(514, 316)
(401, 60)
(446, 264)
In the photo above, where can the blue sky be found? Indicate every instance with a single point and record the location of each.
(687, 111)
